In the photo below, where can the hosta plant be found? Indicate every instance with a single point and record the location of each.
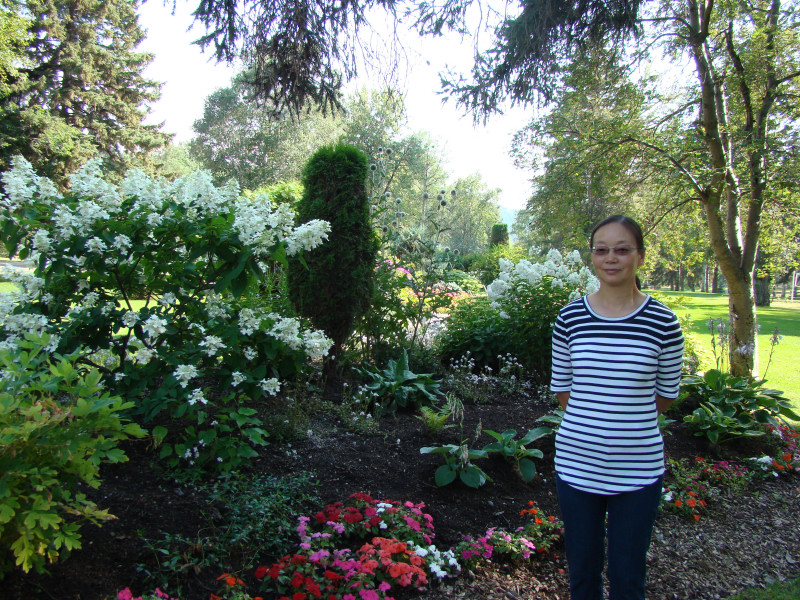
(398, 387)
(516, 451)
(458, 464)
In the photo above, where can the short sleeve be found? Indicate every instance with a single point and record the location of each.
(670, 361)
(561, 377)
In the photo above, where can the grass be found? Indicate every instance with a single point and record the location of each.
(782, 590)
(783, 372)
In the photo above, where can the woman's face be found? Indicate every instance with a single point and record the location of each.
(615, 256)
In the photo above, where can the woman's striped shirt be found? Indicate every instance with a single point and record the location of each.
(609, 441)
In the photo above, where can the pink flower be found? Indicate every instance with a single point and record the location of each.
(125, 594)
(384, 586)
(368, 594)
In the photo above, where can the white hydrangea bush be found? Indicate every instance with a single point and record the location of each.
(527, 297)
(556, 271)
(153, 282)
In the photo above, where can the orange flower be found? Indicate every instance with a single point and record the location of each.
(692, 494)
(691, 502)
(703, 503)
(787, 457)
(696, 517)
(678, 503)
(537, 520)
(230, 580)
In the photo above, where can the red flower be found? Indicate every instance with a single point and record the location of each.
(261, 572)
(297, 579)
(353, 515)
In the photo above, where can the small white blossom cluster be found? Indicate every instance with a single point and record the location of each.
(562, 271)
(441, 564)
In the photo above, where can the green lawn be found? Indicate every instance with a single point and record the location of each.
(784, 371)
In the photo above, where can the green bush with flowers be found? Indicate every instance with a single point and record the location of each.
(524, 303)
(194, 352)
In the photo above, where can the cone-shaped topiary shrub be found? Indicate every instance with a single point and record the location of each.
(334, 286)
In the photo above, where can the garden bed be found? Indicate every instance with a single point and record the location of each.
(739, 541)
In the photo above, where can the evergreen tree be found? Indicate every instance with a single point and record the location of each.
(334, 287)
(499, 235)
(79, 90)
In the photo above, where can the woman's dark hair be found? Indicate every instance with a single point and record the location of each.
(627, 223)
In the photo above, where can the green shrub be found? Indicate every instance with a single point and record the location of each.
(334, 287)
(499, 234)
(257, 519)
(485, 265)
(525, 300)
(474, 328)
(57, 426)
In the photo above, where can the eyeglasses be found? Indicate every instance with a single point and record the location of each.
(619, 250)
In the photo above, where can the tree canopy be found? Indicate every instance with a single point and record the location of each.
(77, 87)
(304, 51)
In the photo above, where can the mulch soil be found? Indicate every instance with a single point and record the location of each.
(747, 540)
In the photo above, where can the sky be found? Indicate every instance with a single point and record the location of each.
(189, 76)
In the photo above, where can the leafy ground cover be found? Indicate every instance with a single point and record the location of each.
(165, 530)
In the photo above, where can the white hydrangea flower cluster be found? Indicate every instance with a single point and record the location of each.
(22, 184)
(258, 223)
(568, 270)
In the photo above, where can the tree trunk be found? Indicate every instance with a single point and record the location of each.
(762, 291)
(715, 279)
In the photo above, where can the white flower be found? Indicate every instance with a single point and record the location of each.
(196, 396)
(154, 326)
(249, 353)
(184, 373)
(574, 258)
(41, 240)
(96, 245)
(238, 377)
(249, 321)
(130, 318)
(167, 299)
(316, 344)
(270, 386)
(496, 289)
(287, 329)
(212, 344)
(554, 256)
(144, 356)
(122, 242)
(307, 236)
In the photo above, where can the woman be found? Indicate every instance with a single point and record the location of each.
(617, 357)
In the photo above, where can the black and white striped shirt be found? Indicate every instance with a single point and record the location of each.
(609, 441)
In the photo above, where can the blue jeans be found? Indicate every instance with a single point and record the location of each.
(630, 525)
